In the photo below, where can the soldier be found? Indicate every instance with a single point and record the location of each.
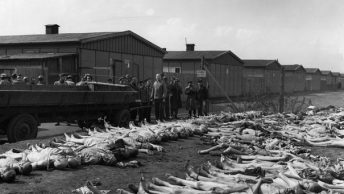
(145, 91)
(40, 80)
(121, 80)
(61, 81)
(133, 83)
(16, 79)
(69, 80)
(26, 81)
(166, 105)
(89, 78)
(202, 97)
(82, 82)
(4, 79)
(191, 99)
(176, 102)
(20, 80)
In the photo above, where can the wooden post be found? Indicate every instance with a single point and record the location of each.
(281, 99)
(60, 65)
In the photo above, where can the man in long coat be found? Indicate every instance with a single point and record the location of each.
(191, 99)
(176, 102)
(202, 97)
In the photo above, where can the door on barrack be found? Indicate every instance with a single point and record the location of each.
(120, 69)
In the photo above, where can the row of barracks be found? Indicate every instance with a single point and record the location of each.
(114, 54)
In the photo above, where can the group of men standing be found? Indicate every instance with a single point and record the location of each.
(14, 79)
(166, 97)
(67, 80)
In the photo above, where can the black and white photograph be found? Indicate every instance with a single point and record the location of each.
(171, 96)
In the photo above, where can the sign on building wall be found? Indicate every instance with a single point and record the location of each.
(201, 73)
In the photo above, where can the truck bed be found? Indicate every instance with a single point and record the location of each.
(37, 96)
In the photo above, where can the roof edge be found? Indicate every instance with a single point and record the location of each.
(123, 33)
(232, 54)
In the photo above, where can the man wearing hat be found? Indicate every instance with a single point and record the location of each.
(26, 80)
(191, 99)
(40, 80)
(145, 90)
(176, 102)
(88, 78)
(17, 79)
(69, 80)
(166, 105)
(4, 79)
(61, 81)
(82, 82)
(121, 80)
(201, 97)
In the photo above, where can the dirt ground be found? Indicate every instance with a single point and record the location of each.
(172, 161)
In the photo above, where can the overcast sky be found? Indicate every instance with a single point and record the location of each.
(307, 32)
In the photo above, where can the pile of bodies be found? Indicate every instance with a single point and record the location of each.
(111, 146)
(262, 153)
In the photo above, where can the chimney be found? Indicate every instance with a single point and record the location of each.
(52, 29)
(190, 47)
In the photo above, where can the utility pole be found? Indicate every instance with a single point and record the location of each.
(203, 66)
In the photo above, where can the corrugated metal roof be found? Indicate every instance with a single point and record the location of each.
(337, 74)
(257, 63)
(49, 38)
(311, 70)
(192, 55)
(69, 37)
(325, 72)
(174, 55)
(294, 67)
(26, 56)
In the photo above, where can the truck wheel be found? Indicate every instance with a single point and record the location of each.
(81, 124)
(86, 123)
(22, 127)
(122, 118)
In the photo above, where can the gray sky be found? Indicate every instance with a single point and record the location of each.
(307, 32)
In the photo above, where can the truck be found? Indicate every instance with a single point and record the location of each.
(24, 107)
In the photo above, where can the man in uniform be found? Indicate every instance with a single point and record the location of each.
(26, 81)
(82, 82)
(201, 97)
(166, 105)
(176, 102)
(69, 80)
(4, 79)
(145, 91)
(190, 92)
(133, 83)
(20, 80)
(40, 80)
(89, 78)
(121, 80)
(61, 81)
(17, 79)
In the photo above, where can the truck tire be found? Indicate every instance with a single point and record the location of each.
(85, 123)
(81, 124)
(22, 127)
(122, 118)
